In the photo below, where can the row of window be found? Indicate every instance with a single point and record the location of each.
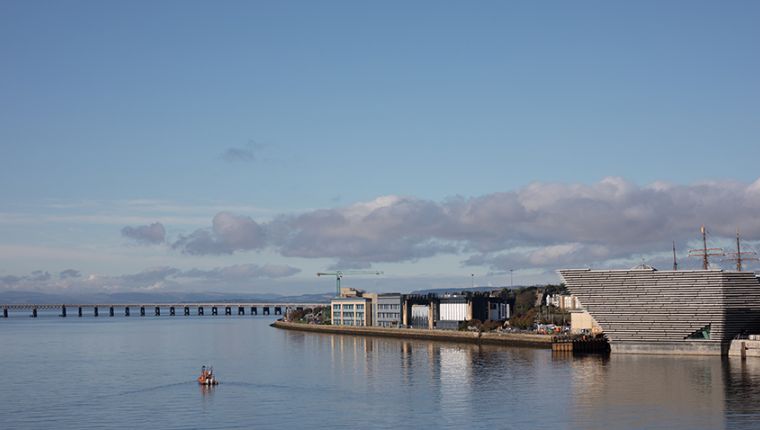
(359, 315)
(348, 306)
(349, 322)
(388, 315)
(386, 306)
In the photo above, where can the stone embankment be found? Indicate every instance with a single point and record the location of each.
(506, 339)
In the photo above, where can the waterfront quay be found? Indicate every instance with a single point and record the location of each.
(158, 309)
(506, 339)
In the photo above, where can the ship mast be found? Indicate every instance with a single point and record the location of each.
(740, 256)
(738, 251)
(705, 263)
(675, 262)
(705, 252)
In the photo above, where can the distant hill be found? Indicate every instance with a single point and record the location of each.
(19, 297)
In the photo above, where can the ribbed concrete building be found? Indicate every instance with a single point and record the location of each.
(668, 312)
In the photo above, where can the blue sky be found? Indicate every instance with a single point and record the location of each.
(400, 120)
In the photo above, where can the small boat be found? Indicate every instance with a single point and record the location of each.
(207, 377)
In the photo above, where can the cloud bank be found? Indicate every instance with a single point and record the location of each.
(543, 225)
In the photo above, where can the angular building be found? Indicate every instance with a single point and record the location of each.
(644, 310)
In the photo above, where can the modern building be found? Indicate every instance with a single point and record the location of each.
(351, 311)
(420, 316)
(498, 310)
(386, 309)
(581, 322)
(644, 310)
(453, 309)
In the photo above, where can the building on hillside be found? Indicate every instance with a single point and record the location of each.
(565, 302)
(351, 311)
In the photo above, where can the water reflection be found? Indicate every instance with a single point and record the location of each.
(459, 384)
(641, 391)
(206, 391)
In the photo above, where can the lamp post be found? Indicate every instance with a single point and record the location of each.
(511, 279)
(472, 278)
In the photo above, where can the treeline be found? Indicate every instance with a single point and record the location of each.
(529, 306)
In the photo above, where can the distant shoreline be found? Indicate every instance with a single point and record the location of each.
(504, 339)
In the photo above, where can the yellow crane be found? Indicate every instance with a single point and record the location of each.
(340, 273)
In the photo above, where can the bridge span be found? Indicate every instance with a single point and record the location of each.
(155, 309)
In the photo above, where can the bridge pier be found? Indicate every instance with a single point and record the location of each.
(256, 309)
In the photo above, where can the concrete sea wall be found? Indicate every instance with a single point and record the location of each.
(506, 339)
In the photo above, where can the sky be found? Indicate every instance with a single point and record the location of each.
(245, 146)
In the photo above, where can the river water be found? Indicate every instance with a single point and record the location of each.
(139, 372)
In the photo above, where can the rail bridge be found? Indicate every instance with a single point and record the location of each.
(158, 309)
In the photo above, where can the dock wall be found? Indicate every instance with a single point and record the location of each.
(506, 339)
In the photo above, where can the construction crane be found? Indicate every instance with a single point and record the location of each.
(340, 273)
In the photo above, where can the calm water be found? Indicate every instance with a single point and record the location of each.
(138, 372)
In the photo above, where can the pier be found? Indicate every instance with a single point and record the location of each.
(155, 309)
